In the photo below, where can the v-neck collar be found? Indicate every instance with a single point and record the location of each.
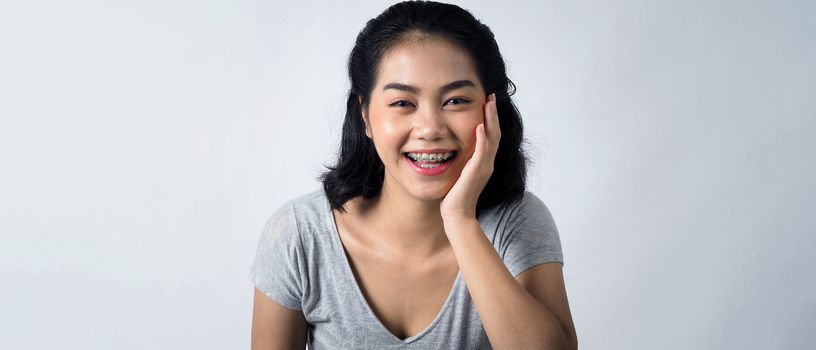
(349, 275)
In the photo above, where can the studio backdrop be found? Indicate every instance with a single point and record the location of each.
(143, 145)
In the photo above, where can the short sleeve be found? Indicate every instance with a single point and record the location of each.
(279, 260)
(531, 236)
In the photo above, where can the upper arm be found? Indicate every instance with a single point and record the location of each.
(280, 279)
(545, 282)
(276, 327)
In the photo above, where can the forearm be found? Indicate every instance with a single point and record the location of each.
(512, 318)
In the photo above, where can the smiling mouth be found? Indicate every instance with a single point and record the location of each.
(428, 161)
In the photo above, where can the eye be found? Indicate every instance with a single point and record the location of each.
(457, 101)
(401, 104)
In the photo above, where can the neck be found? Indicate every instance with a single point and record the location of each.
(409, 224)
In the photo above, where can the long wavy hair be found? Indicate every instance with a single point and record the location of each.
(358, 170)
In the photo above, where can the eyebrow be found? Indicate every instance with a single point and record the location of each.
(447, 87)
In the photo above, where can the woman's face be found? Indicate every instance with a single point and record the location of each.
(425, 104)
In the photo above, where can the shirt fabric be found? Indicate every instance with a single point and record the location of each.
(301, 265)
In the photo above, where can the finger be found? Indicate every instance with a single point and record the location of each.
(495, 128)
(488, 109)
(492, 119)
(477, 147)
(480, 144)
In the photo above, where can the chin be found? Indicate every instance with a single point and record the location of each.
(430, 193)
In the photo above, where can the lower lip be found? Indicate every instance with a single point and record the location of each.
(428, 171)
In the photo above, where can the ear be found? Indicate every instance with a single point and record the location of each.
(364, 111)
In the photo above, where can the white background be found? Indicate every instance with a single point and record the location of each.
(143, 144)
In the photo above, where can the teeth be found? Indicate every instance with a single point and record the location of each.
(432, 157)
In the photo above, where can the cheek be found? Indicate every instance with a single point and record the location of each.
(467, 132)
(389, 136)
(389, 129)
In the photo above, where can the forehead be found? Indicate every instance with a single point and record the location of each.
(426, 62)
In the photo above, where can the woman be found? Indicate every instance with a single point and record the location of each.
(423, 236)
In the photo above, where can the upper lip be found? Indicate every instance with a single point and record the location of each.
(433, 150)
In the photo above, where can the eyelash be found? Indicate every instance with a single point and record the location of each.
(461, 99)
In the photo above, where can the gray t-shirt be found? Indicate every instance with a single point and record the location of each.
(301, 264)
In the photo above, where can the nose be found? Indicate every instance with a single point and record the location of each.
(430, 124)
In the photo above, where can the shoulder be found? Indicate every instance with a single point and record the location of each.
(528, 200)
(283, 256)
(530, 212)
(528, 204)
(288, 218)
(310, 209)
(523, 220)
(528, 235)
(531, 204)
(304, 220)
(308, 204)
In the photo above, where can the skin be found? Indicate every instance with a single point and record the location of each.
(399, 121)
(406, 246)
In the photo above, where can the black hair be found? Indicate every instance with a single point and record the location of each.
(359, 171)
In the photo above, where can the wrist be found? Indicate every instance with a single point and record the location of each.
(459, 220)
